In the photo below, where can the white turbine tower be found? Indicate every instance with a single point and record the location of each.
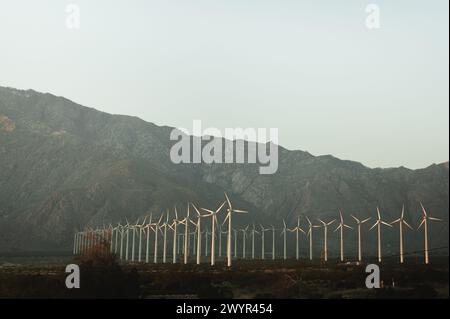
(263, 230)
(156, 229)
(213, 215)
(128, 239)
(164, 226)
(141, 227)
(325, 237)
(424, 222)
(135, 227)
(186, 222)
(244, 239)
(273, 242)
(401, 221)
(116, 238)
(341, 226)
(359, 223)
(283, 233)
(378, 224)
(173, 226)
(148, 227)
(253, 241)
(310, 235)
(296, 229)
(235, 232)
(228, 217)
(198, 230)
(122, 233)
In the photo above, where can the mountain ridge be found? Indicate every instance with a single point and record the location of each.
(64, 166)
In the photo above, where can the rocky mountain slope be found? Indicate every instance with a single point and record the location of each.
(63, 166)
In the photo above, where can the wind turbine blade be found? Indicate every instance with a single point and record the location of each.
(321, 221)
(228, 200)
(423, 209)
(357, 220)
(340, 225)
(226, 218)
(395, 221)
(403, 211)
(240, 211)
(408, 225)
(384, 223)
(374, 225)
(348, 226)
(423, 221)
(220, 207)
(176, 213)
(378, 213)
(196, 209)
(331, 222)
(340, 215)
(209, 211)
(366, 220)
(309, 222)
(435, 219)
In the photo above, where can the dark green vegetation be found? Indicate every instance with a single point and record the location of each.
(104, 278)
(64, 166)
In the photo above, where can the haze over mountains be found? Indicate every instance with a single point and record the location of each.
(64, 166)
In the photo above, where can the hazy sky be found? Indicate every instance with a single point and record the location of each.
(310, 68)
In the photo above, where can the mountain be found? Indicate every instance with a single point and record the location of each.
(64, 166)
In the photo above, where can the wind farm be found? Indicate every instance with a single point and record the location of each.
(242, 241)
(298, 258)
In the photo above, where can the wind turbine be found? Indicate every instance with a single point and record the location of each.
(230, 211)
(244, 237)
(424, 222)
(310, 235)
(164, 226)
(378, 223)
(173, 226)
(213, 215)
(325, 236)
(186, 222)
(116, 238)
(341, 226)
(128, 239)
(296, 230)
(235, 231)
(140, 239)
(147, 247)
(359, 223)
(263, 241)
(135, 226)
(156, 229)
(253, 240)
(198, 230)
(122, 233)
(283, 233)
(273, 242)
(400, 222)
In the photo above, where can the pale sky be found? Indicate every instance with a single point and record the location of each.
(310, 68)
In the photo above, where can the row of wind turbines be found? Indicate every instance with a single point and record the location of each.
(185, 241)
